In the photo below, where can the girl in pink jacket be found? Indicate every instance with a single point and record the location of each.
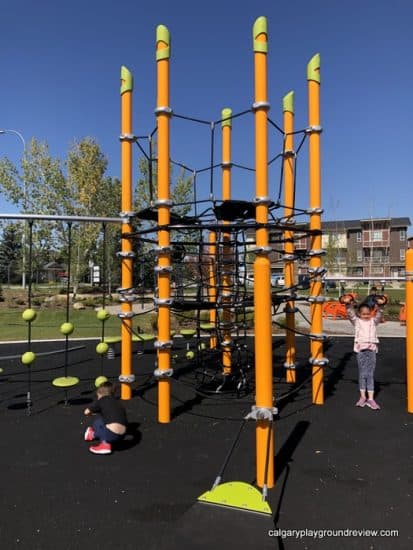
(365, 347)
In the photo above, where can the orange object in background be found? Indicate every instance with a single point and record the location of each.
(334, 310)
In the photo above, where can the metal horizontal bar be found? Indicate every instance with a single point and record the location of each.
(50, 217)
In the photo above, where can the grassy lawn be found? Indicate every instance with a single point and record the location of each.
(48, 321)
(47, 324)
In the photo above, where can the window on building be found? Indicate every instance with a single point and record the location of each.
(359, 255)
(377, 235)
(402, 234)
(358, 236)
(301, 241)
(402, 254)
(377, 270)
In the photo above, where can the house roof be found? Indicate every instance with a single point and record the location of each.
(357, 224)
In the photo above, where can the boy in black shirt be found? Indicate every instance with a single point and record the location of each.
(110, 423)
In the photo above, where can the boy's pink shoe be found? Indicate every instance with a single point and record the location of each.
(361, 402)
(373, 405)
(102, 449)
(89, 434)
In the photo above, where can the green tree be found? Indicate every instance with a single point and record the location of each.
(10, 252)
(79, 187)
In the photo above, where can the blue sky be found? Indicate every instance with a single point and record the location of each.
(60, 66)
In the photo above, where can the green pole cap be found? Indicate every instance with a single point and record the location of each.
(126, 79)
(226, 115)
(288, 102)
(163, 35)
(313, 68)
(260, 27)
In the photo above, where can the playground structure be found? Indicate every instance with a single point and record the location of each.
(220, 247)
(221, 289)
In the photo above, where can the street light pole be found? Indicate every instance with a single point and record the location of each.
(19, 135)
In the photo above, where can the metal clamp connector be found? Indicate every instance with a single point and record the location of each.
(289, 257)
(313, 130)
(317, 299)
(261, 250)
(226, 164)
(320, 252)
(127, 137)
(127, 215)
(290, 366)
(163, 269)
(126, 378)
(128, 254)
(262, 200)
(163, 301)
(319, 362)
(126, 315)
(262, 413)
(163, 111)
(129, 290)
(163, 344)
(128, 298)
(159, 374)
(317, 271)
(315, 210)
(227, 343)
(264, 105)
(163, 202)
(289, 153)
(162, 249)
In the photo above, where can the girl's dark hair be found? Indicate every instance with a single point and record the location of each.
(364, 305)
(106, 388)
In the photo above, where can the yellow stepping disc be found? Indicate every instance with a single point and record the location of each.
(237, 494)
(188, 332)
(65, 381)
(207, 326)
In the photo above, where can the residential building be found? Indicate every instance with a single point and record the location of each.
(373, 247)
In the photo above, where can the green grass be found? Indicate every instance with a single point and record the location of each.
(47, 324)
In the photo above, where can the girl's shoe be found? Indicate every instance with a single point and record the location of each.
(89, 434)
(102, 449)
(361, 402)
(373, 405)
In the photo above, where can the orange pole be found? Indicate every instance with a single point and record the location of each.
(212, 286)
(163, 112)
(228, 264)
(316, 299)
(263, 412)
(409, 328)
(289, 157)
(127, 253)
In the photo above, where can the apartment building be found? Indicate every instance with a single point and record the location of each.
(373, 247)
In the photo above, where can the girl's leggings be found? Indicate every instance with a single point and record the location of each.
(366, 361)
(102, 433)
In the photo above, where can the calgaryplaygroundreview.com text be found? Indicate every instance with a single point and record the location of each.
(325, 533)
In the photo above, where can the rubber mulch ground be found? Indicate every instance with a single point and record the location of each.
(338, 467)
